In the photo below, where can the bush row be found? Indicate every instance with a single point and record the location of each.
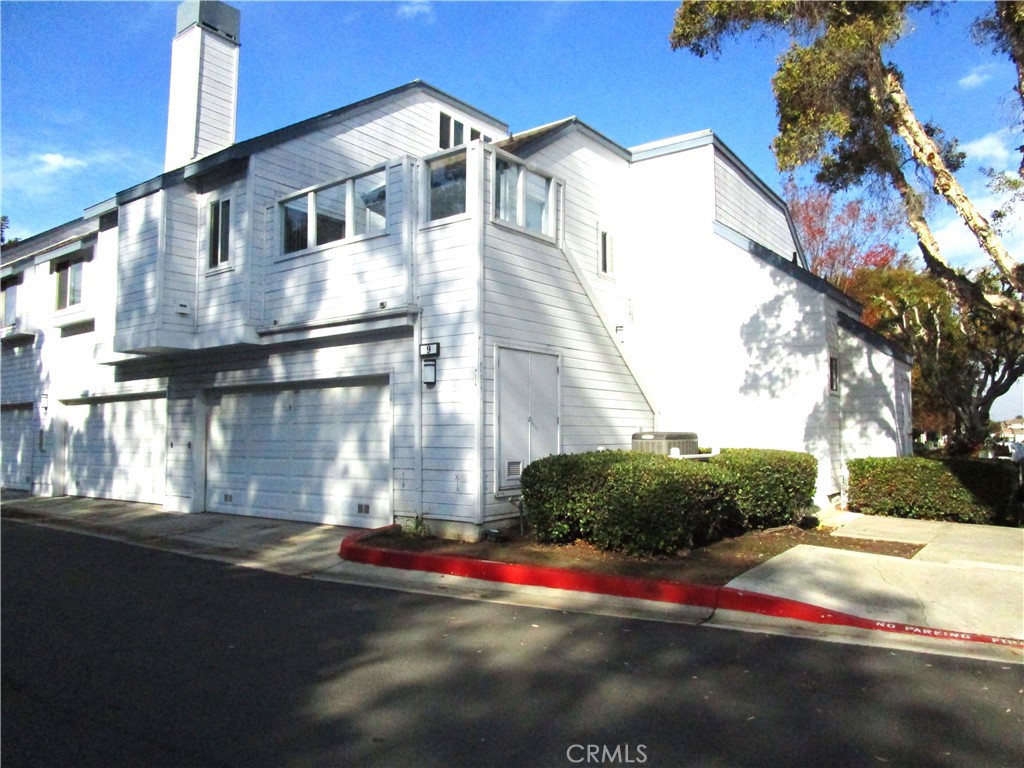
(953, 490)
(645, 504)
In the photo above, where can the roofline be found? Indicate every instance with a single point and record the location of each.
(241, 151)
(552, 132)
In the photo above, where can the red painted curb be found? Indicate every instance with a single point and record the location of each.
(727, 598)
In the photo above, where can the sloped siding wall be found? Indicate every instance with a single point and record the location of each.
(740, 205)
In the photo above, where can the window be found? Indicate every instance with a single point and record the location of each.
(523, 197)
(69, 282)
(336, 211)
(607, 256)
(219, 233)
(447, 186)
(9, 299)
(833, 375)
(452, 133)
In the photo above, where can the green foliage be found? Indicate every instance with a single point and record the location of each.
(645, 504)
(773, 487)
(561, 492)
(954, 490)
(656, 506)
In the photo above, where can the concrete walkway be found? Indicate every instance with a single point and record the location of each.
(963, 594)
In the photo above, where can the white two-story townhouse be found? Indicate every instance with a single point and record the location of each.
(387, 311)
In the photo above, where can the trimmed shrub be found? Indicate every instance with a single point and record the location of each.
(655, 505)
(953, 490)
(773, 486)
(561, 492)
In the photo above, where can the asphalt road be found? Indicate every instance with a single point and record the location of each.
(117, 655)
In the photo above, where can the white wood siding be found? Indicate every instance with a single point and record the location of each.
(218, 86)
(138, 285)
(740, 205)
(448, 288)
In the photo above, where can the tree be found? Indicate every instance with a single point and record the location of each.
(840, 237)
(965, 358)
(843, 109)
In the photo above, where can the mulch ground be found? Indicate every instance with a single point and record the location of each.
(715, 564)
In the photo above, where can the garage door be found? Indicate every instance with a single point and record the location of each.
(115, 449)
(317, 455)
(17, 443)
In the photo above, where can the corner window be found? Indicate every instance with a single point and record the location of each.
(69, 282)
(219, 233)
(523, 197)
(9, 299)
(335, 212)
(447, 186)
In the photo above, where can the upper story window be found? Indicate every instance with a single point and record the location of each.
(452, 133)
(447, 186)
(337, 211)
(524, 198)
(219, 245)
(9, 299)
(69, 282)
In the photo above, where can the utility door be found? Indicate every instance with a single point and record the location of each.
(527, 393)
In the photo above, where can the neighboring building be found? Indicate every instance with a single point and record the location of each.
(389, 310)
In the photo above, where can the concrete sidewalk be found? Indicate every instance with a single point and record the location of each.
(968, 581)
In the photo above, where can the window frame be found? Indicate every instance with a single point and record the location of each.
(68, 267)
(605, 254)
(309, 197)
(833, 374)
(551, 226)
(9, 299)
(219, 243)
(428, 188)
(454, 132)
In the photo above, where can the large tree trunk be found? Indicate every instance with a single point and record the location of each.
(929, 155)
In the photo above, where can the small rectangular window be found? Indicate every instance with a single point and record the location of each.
(458, 135)
(220, 233)
(833, 374)
(447, 186)
(536, 202)
(69, 283)
(445, 132)
(9, 299)
(607, 254)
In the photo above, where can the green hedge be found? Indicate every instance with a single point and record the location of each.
(645, 504)
(656, 506)
(954, 490)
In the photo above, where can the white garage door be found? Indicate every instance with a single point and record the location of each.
(317, 455)
(115, 449)
(17, 443)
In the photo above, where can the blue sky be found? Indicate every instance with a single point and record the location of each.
(84, 85)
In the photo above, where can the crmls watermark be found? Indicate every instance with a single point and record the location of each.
(602, 754)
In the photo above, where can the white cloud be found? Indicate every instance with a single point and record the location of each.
(54, 162)
(990, 148)
(976, 77)
(421, 9)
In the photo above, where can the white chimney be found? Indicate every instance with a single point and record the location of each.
(204, 82)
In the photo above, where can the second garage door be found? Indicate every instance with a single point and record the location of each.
(318, 455)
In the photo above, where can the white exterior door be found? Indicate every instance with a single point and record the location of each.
(17, 444)
(115, 449)
(528, 425)
(317, 455)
